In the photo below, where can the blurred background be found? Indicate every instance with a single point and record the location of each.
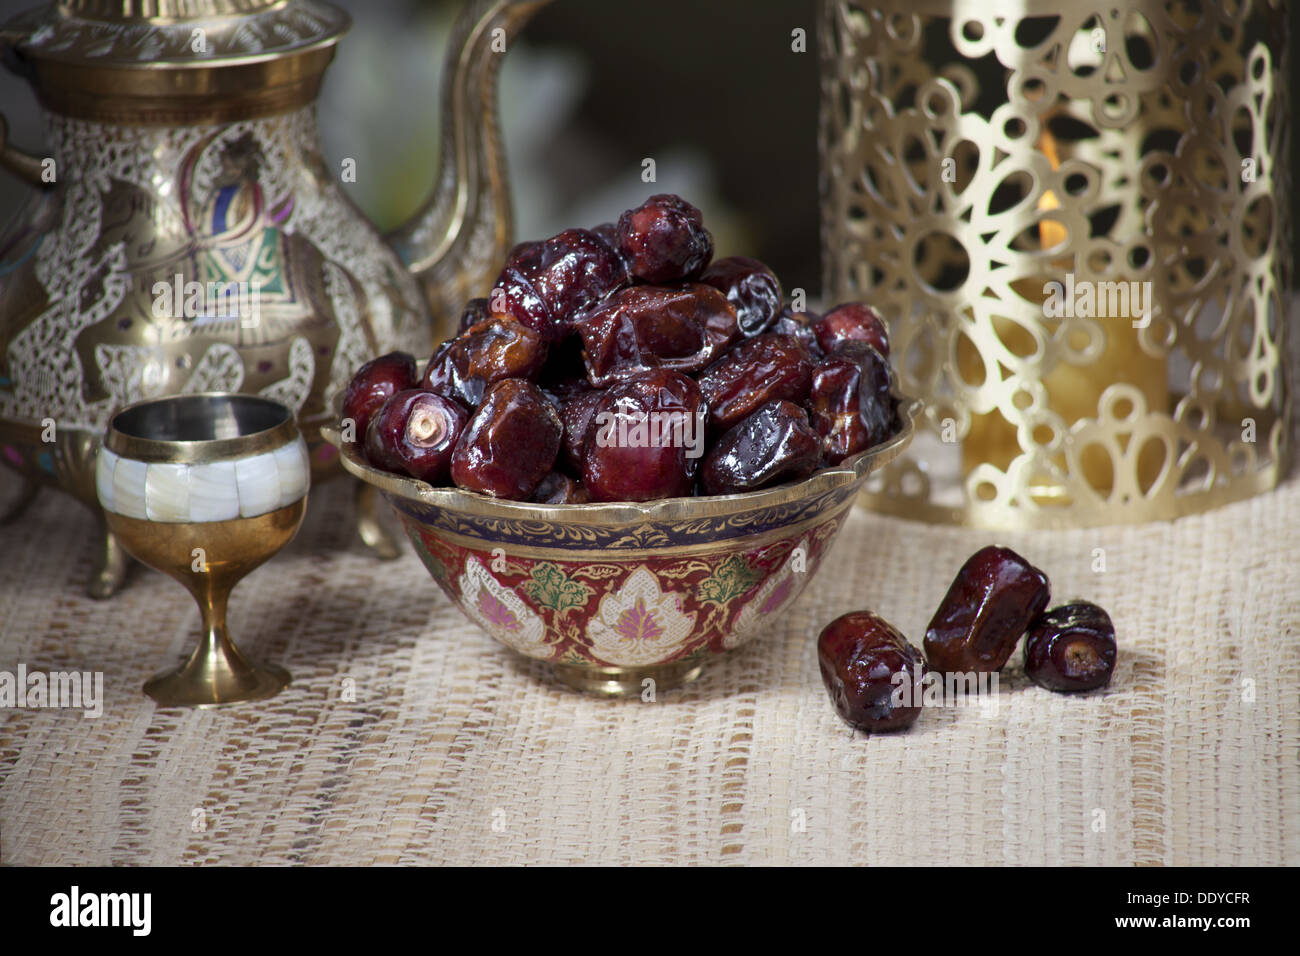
(713, 92)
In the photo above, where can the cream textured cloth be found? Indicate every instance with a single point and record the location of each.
(456, 751)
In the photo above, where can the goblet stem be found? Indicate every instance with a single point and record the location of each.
(217, 654)
(216, 673)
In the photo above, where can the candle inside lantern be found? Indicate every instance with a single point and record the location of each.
(1073, 391)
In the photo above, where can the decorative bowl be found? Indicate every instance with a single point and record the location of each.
(628, 597)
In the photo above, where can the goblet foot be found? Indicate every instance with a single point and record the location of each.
(215, 678)
(110, 567)
(378, 537)
(628, 681)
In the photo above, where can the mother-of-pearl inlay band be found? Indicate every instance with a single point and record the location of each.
(210, 491)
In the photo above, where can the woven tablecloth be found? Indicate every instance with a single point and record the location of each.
(457, 751)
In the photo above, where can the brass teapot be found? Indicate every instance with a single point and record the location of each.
(189, 236)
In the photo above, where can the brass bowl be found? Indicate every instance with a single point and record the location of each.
(616, 596)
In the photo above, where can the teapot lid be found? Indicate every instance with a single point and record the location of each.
(172, 33)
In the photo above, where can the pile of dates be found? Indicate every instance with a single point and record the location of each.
(624, 363)
(874, 676)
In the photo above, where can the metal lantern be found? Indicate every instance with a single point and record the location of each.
(1074, 218)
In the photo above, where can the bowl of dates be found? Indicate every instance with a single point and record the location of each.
(632, 456)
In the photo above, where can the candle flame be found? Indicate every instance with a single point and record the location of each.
(1051, 233)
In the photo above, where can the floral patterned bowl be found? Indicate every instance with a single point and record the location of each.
(616, 595)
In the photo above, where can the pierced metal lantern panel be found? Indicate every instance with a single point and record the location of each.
(1074, 218)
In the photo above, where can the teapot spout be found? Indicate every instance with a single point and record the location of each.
(456, 241)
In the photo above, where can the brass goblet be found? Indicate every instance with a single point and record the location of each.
(205, 488)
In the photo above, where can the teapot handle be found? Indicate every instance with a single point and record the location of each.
(25, 166)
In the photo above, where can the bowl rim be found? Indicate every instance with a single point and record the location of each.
(632, 513)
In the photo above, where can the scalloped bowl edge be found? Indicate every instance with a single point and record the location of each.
(630, 514)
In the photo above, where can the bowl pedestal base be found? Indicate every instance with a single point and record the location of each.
(628, 681)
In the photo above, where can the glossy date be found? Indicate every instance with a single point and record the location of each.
(510, 443)
(989, 605)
